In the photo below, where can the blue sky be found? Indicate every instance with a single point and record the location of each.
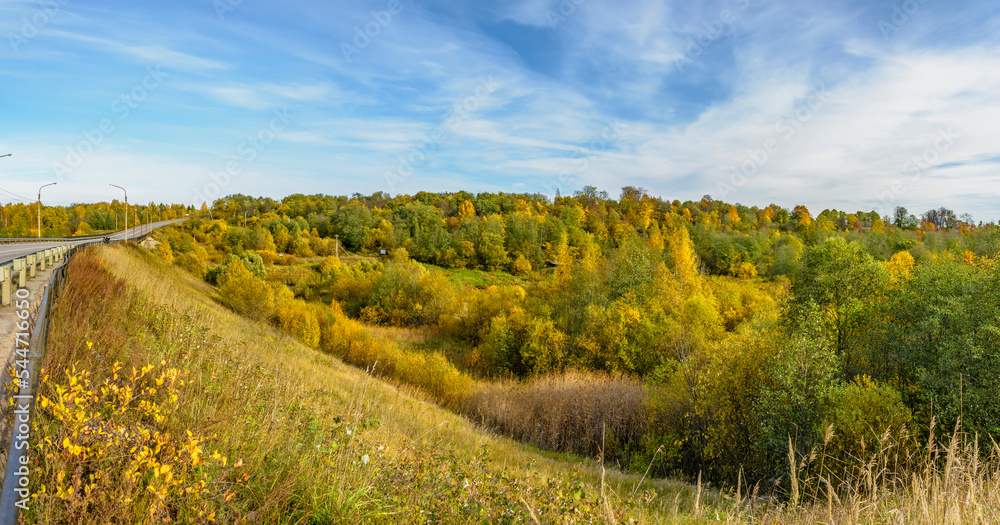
(849, 105)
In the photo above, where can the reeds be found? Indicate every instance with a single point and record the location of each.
(566, 412)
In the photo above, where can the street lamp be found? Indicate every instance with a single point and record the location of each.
(7, 155)
(40, 208)
(126, 209)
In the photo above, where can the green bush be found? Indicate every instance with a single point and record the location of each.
(861, 412)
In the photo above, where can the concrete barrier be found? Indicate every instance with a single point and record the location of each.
(5, 292)
(18, 265)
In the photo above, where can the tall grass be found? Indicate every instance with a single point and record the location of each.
(950, 482)
(584, 412)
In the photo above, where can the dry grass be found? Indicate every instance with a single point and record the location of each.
(953, 483)
(567, 412)
(408, 334)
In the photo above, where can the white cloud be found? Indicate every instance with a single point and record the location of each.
(847, 150)
(267, 96)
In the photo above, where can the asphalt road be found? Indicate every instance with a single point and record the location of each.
(9, 252)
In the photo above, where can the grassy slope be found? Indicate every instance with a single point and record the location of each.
(296, 426)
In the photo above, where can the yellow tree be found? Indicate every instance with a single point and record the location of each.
(801, 214)
(466, 209)
(685, 258)
(655, 239)
(298, 318)
(244, 292)
(899, 265)
(645, 213)
(733, 215)
(521, 265)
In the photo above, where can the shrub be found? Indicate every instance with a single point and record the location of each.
(406, 293)
(297, 318)
(268, 256)
(84, 229)
(244, 292)
(521, 265)
(744, 270)
(251, 262)
(861, 412)
(192, 263)
(523, 344)
(300, 247)
(164, 251)
(328, 264)
(104, 467)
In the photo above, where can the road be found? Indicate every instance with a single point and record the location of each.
(9, 252)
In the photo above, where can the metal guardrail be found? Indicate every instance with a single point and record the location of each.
(17, 452)
(18, 240)
(25, 267)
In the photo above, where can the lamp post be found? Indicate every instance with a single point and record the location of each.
(126, 209)
(40, 208)
(5, 211)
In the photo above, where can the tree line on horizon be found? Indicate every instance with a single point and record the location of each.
(21, 219)
(500, 231)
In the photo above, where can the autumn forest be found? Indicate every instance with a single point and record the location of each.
(684, 338)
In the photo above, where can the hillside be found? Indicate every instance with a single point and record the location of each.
(160, 404)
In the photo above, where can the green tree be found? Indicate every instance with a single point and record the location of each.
(800, 381)
(844, 282)
(491, 249)
(938, 338)
(353, 223)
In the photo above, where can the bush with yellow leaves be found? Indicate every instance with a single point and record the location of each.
(110, 456)
(297, 317)
(164, 251)
(244, 292)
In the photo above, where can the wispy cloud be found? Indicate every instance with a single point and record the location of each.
(696, 85)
